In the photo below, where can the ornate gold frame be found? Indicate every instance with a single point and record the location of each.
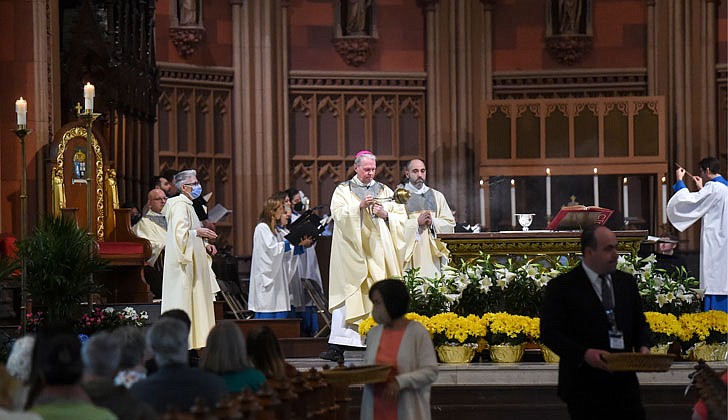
(71, 133)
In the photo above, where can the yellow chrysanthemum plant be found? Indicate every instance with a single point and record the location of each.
(711, 327)
(445, 329)
(505, 328)
(664, 328)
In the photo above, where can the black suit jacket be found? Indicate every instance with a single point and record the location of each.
(573, 320)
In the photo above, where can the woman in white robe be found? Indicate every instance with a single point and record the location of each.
(272, 264)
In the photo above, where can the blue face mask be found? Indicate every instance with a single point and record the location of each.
(196, 191)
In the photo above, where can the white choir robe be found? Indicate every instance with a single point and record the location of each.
(270, 272)
(711, 205)
(422, 249)
(189, 282)
(363, 251)
(155, 234)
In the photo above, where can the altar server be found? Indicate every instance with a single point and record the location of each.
(709, 204)
(368, 229)
(428, 215)
(190, 283)
(272, 264)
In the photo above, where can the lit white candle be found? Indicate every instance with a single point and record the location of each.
(21, 109)
(625, 197)
(482, 204)
(664, 200)
(513, 202)
(548, 193)
(89, 92)
(596, 188)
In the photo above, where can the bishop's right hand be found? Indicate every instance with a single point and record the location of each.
(366, 202)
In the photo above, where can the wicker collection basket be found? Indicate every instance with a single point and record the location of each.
(368, 374)
(638, 362)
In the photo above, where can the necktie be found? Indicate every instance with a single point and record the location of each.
(607, 300)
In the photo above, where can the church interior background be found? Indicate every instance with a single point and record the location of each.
(260, 95)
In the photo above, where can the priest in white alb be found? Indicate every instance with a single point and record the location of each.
(368, 230)
(709, 204)
(428, 215)
(189, 282)
(153, 227)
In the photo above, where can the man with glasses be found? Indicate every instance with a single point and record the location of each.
(189, 283)
(153, 227)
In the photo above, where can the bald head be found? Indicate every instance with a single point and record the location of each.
(156, 200)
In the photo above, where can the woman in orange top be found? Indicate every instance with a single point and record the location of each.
(407, 347)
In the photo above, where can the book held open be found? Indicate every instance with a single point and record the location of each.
(576, 217)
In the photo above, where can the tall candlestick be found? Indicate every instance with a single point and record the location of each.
(89, 92)
(482, 204)
(596, 188)
(513, 202)
(548, 193)
(21, 109)
(625, 197)
(664, 201)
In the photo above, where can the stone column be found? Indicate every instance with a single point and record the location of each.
(259, 110)
(456, 85)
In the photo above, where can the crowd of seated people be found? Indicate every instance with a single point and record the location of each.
(52, 375)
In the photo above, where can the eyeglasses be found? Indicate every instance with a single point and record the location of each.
(192, 184)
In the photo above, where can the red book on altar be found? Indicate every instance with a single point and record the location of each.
(576, 217)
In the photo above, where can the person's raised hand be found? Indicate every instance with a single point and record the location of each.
(698, 181)
(679, 173)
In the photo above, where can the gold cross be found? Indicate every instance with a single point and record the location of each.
(78, 108)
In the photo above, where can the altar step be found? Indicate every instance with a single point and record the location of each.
(525, 391)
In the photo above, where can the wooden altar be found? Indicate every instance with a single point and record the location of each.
(536, 243)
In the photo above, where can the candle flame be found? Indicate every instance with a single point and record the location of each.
(481, 182)
(595, 171)
(664, 180)
(624, 181)
(513, 182)
(548, 171)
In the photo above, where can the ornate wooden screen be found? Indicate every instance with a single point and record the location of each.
(621, 136)
(332, 117)
(194, 129)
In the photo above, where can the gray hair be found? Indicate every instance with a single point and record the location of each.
(183, 176)
(132, 346)
(101, 354)
(362, 156)
(167, 338)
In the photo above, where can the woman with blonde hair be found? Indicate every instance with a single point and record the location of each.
(226, 355)
(272, 265)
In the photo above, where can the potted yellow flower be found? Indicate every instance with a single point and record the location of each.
(664, 330)
(705, 334)
(507, 335)
(456, 338)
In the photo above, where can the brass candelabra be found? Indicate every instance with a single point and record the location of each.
(21, 132)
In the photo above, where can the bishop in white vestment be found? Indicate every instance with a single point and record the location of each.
(368, 231)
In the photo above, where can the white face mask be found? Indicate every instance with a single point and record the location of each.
(380, 314)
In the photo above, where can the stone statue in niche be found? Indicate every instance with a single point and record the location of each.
(188, 12)
(356, 17)
(569, 16)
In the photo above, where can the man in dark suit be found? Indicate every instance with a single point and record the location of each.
(588, 312)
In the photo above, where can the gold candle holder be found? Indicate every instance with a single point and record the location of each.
(21, 132)
(87, 117)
